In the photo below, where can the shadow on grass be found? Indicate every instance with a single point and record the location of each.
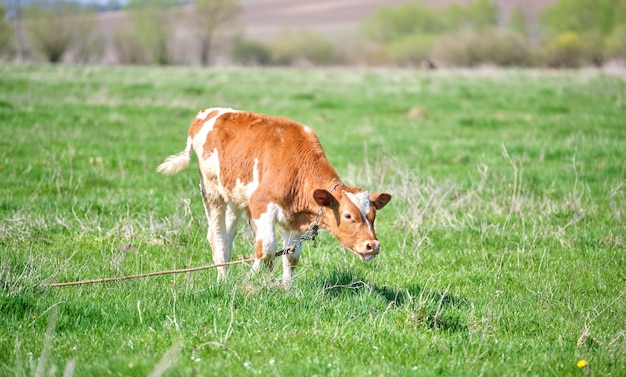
(434, 309)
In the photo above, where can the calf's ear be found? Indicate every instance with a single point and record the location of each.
(325, 198)
(380, 199)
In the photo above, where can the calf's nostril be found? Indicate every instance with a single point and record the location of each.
(372, 246)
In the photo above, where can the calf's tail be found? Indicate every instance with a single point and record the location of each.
(176, 162)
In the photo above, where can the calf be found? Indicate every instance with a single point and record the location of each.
(274, 170)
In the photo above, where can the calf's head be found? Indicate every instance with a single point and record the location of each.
(349, 214)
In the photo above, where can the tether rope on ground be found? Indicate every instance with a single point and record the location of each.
(168, 272)
(310, 234)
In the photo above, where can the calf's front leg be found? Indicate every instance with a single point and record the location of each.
(290, 261)
(264, 245)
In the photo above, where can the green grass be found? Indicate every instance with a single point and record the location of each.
(503, 248)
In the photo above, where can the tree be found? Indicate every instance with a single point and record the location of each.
(518, 23)
(407, 34)
(595, 22)
(477, 16)
(389, 24)
(302, 47)
(566, 50)
(5, 31)
(616, 43)
(249, 51)
(581, 16)
(209, 15)
(53, 29)
(149, 40)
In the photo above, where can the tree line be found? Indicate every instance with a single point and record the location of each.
(58, 31)
(568, 33)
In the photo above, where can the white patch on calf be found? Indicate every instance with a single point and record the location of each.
(211, 171)
(200, 139)
(211, 165)
(362, 201)
(241, 193)
(221, 110)
(203, 114)
(201, 136)
(211, 122)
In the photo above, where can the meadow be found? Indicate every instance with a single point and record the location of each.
(503, 248)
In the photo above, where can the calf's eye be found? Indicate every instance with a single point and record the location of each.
(347, 216)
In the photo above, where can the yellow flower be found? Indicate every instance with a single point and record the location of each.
(582, 363)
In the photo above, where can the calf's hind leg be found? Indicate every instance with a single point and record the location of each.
(233, 214)
(218, 231)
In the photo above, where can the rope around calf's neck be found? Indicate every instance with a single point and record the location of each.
(309, 234)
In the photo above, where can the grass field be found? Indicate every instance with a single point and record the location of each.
(503, 249)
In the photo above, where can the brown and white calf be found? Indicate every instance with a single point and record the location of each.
(274, 170)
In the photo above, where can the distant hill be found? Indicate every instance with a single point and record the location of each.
(264, 18)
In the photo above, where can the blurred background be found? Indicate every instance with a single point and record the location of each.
(399, 33)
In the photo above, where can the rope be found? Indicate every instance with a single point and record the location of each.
(309, 234)
(119, 278)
